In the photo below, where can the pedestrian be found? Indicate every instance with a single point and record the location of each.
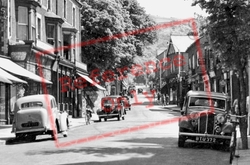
(235, 109)
(158, 97)
(163, 100)
(167, 99)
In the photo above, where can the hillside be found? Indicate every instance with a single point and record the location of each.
(164, 35)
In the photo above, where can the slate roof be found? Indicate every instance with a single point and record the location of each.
(181, 43)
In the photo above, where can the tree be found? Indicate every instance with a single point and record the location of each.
(105, 19)
(228, 29)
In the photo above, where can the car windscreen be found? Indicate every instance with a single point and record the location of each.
(108, 100)
(32, 104)
(207, 102)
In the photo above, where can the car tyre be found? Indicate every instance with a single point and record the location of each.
(181, 141)
(105, 119)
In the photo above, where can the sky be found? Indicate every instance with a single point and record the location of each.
(171, 8)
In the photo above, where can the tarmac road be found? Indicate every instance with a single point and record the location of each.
(147, 136)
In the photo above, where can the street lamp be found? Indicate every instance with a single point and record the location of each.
(160, 70)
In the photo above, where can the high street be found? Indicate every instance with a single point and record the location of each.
(150, 145)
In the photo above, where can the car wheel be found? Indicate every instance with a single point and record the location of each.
(105, 119)
(181, 141)
(100, 119)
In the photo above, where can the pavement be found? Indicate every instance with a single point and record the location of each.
(5, 130)
(243, 159)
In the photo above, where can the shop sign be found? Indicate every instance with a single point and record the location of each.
(18, 56)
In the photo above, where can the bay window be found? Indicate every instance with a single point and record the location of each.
(22, 24)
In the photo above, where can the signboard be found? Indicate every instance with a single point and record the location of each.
(20, 53)
(18, 56)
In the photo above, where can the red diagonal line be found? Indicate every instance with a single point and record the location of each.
(119, 132)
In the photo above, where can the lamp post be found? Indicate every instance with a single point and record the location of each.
(160, 65)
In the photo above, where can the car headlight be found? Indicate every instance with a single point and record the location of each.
(220, 118)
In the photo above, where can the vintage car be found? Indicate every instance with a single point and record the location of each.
(111, 107)
(205, 118)
(38, 115)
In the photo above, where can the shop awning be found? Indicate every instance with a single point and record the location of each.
(4, 80)
(10, 77)
(91, 81)
(12, 67)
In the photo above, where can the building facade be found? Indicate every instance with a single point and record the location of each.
(175, 74)
(40, 36)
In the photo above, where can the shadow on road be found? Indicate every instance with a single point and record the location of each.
(148, 151)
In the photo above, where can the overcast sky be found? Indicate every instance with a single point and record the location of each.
(171, 8)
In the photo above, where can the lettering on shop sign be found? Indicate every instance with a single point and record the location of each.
(18, 56)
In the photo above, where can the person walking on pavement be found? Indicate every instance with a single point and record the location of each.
(163, 100)
(158, 97)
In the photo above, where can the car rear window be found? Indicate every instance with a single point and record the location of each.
(32, 104)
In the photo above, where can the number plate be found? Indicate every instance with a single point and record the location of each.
(30, 124)
(205, 139)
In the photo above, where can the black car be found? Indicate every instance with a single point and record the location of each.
(112, 107)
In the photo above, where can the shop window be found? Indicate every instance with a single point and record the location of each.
(22, 24)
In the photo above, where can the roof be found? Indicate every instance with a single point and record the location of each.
(40, 97)
(208, 94)
(181, 43)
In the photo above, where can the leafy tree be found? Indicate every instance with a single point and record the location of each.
(228, 28)
(112, 21)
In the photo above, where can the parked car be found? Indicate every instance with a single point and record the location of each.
(205, 118)
(111, 107)
(38, 115)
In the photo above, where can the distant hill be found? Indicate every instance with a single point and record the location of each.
(164, 35)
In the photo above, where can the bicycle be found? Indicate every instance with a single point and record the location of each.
(234, 119)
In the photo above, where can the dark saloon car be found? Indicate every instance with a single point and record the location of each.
(111, 107)
(205, 119)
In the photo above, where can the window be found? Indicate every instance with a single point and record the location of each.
(22, 25)
(39, 28)
(49, 5)
(33, 25)
(32, 104)
(59, 36)
(56, 7)
(50, 31)
(74, 17)
(9, 16)
(64, 8)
